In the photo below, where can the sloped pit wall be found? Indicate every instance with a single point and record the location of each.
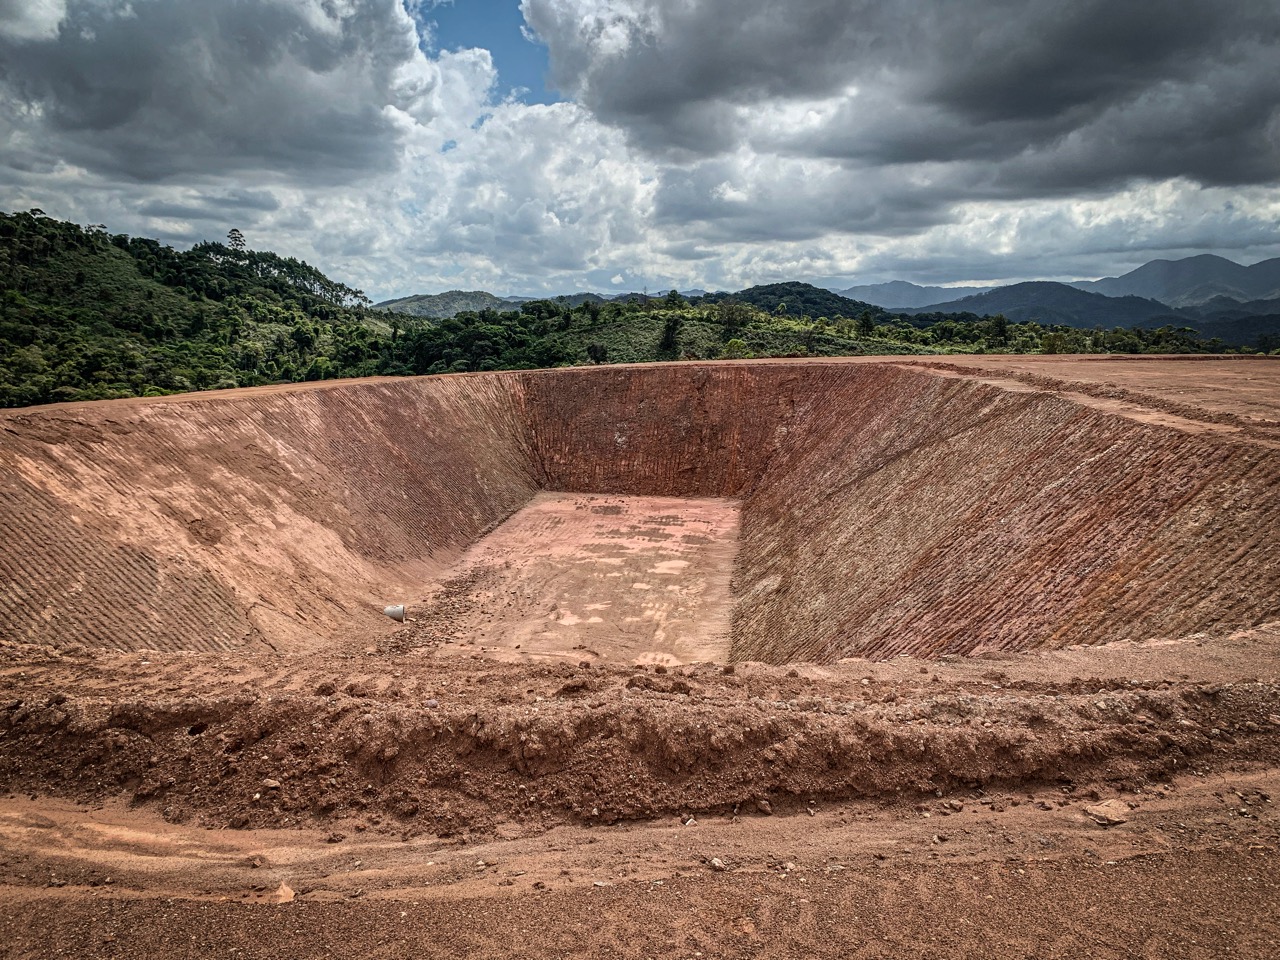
(282, 515)
(889, 510)
(909, 513)
(676, 430)
(885, 509)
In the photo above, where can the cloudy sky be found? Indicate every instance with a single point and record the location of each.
(526, 146)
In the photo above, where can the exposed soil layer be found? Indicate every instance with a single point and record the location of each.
(886, 507)
(1021, 697)
(415, 742)
(1117, 801)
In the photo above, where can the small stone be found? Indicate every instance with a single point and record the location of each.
(718, 865)
(765, 807)
(432, 704)
(1109, 813)
(269, 784)
(788, 867)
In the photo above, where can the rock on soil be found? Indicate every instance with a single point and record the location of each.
(1109, 813)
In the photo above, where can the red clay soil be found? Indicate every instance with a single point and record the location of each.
(886, 507)
(1019, 695)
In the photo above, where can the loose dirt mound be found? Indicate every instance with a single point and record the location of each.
(451, 745)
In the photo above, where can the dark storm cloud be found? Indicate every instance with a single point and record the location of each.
(211, 207)
(158, 90)
(1048, 95)
(666, 69)
(792, 205)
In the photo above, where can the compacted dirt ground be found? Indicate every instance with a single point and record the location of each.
(549, 760)
(1121, 801)
(627, 579)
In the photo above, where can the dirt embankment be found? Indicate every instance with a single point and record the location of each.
(458, 745)
(284, 517)
(942, 516)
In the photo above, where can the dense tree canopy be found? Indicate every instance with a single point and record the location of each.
(88, 315)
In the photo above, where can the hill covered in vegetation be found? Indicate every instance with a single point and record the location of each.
(447, 304)
(795, 299)
(1049, 302)
(85, 314)
(88, 315)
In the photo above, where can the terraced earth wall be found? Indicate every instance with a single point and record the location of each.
(886, 508)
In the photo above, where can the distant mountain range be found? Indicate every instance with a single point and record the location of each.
(1213, 295)
(1193, 281)
(1047, 302)
(899, 294)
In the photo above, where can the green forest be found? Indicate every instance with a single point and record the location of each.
(86, 315)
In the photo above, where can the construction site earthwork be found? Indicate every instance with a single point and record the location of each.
(885, 657)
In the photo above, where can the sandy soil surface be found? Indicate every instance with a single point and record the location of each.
(574, 576)
(1236, 395)
(1193, 873)
(1242, 386)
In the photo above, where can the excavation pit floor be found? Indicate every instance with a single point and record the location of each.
(623, 579)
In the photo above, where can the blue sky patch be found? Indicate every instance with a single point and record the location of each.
(494, 25)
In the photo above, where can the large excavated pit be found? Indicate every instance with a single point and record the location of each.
(724, 660)
(767, 512)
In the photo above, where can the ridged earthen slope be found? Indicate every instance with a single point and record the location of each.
(886, 507)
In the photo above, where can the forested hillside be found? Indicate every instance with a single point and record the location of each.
(86, 315)
(1049, 302)
(89, 315)
(795, 299)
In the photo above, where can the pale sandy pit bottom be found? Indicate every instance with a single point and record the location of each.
(594, 577)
